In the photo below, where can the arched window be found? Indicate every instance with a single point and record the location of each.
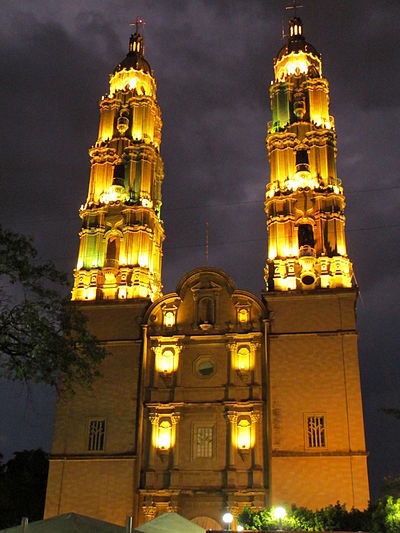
(169, 319)
(243, 316)
(164, 434)
(243, 358)
(244, 434)
(167, 361)
(112, 251)
(206, 311)
(306, 235)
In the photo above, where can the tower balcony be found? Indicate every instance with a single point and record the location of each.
(111, 263)
(306, 251)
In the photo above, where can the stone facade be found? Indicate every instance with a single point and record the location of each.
(211, 398)
(284, 360)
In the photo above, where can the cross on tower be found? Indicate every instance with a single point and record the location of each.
(139, 22)
(294, 6)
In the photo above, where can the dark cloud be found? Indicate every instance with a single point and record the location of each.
(213, 63)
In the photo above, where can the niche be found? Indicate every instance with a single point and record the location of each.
(112, 251)
(206, 313)
(306, 235)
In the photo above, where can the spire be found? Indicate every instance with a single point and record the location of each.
(304, 201)
(135, 57)
(295, 31)
(136, 40)
(122, 233)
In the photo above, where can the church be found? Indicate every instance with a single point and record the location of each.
(212, 398)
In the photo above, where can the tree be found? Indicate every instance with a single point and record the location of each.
(43, 336)
(391, 484)
(380, 517)
(23, 487)
(392, 412)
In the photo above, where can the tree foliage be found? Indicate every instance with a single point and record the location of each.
(392, 412)
(391, 484)
(43, 336)
(23, 487)
(381, 517)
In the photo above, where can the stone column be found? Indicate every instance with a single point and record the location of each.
(231, 434)
(232, 347)
(255, 349)
(154, 417)
(256, 419)
(257, 439)
(175, 452)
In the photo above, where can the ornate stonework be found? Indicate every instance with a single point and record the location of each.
(211, 398)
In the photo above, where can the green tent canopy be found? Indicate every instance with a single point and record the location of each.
(67, 523)
(171, 523)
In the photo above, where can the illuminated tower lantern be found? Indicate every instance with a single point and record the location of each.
(122, 233)
(304, 201)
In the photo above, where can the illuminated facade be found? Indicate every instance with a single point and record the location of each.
(122, 232)
(304, 201)
(212, 398)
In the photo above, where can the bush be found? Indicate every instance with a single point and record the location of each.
(381, 517)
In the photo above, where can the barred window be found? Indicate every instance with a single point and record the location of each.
(204, 442)
(316, 432)
(97, 429)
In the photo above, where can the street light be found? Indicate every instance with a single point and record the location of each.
(279, 513)
(240, 528)
(228, 519)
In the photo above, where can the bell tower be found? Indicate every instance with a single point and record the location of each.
(316, 433)
(122, 233)
(304, 199)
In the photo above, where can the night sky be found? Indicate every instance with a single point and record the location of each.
(213, 61)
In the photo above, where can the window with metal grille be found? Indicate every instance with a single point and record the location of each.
(204, 441)
(97, 429)
(316, 432)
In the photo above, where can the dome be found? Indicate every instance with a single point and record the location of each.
(296, 41)
(134, 58)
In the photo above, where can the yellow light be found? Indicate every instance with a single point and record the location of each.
(114, 194)
(144, 260)
(169, 319)
(243, 357)
(272, 253)
(297, 67)
(164, 435)
(319, 121)
(146, 202)
(301, 180)
(279, 513)
(243, 316)
(167, 361)
(167, 358)
(89, 293)
(295, 64)
(244, 434)
(132, 79)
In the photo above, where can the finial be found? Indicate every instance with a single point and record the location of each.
(294, 5)
(139, 22)
(136, 40)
